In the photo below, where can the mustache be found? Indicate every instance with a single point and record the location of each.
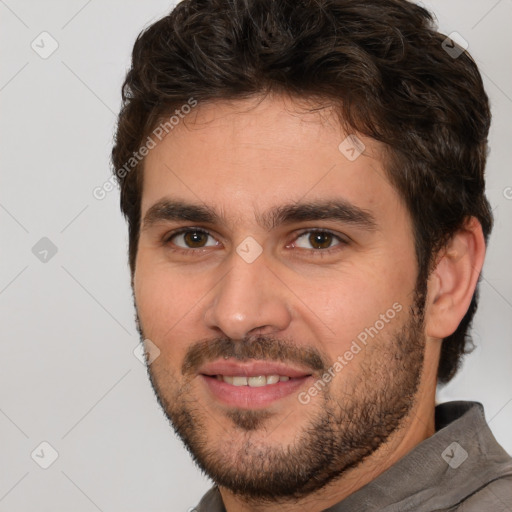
(264, 348)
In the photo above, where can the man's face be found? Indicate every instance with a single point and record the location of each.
(276, 274)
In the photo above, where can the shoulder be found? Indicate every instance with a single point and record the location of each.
(210, 502)
(495, 496)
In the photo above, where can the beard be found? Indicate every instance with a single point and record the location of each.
(350, 420)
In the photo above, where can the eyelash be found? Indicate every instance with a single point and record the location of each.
(200, 251)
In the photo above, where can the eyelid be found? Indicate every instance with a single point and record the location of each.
(166, 241)
(341, 236)
(179, 231)
(343, 239)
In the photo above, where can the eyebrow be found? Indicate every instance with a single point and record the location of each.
(340, 210)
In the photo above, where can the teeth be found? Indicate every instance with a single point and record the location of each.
(253, 382)
(239, 381)
(257, 382)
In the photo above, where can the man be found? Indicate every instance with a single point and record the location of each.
(304, 187)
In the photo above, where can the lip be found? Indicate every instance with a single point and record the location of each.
(247, 397)
(251, 369)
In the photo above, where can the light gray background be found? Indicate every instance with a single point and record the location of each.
(68, 374)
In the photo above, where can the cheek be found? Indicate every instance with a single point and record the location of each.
(165, 302)
(360, 301)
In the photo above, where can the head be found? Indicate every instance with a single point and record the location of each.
(307, 183)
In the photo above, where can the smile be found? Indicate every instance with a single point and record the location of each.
(254, 382)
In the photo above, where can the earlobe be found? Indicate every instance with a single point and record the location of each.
(453, 281)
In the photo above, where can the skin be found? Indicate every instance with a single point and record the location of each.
(243, 158)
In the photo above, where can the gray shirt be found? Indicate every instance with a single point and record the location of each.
(459, 468)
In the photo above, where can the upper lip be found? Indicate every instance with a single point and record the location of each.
(251, 368)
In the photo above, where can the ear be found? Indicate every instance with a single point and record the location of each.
(452, 283)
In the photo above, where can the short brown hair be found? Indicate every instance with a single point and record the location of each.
(380, 62)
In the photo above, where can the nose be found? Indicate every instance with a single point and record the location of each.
(250, 299)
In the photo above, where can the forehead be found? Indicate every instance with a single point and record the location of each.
(243, 157)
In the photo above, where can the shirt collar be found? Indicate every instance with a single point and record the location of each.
(441, 471)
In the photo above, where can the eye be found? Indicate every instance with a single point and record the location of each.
(192, 239)
(317, 240)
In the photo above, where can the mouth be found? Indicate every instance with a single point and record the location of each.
(252, 385)
(257, 381)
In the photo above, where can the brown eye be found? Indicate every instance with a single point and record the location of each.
(317, 240)
(320, 239)
(193, 239)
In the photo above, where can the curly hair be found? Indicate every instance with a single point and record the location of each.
(381, 63)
